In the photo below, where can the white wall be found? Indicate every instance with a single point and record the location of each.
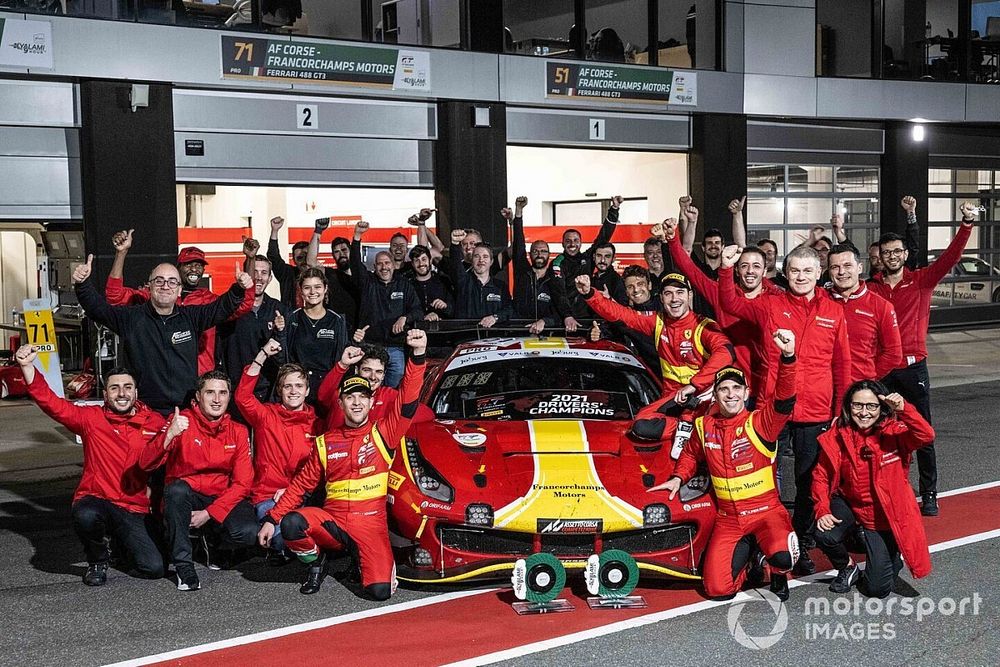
(545, 175)
(18, 274)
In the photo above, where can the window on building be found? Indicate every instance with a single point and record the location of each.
(975, 279)
(785, 201)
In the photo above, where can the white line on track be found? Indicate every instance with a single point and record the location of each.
(527, 648)
(649, 619)
(301, 627)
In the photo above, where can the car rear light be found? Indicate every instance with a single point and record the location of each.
(656, 514)
(479, 514)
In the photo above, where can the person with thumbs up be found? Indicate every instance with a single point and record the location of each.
(209, 473)
(161, 337)
(110, 498)
(241, 338)
(191, 263)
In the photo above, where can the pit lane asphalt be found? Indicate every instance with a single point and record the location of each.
(49, 618)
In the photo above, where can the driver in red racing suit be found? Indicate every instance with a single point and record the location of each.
(692, 349)
(353, 460)
(739, 449)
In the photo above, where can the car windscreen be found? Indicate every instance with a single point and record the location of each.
(544, 388)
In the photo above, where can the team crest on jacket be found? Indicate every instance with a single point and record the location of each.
(326, 333)
(740, 448)
(687, 334)
(179, 337)
(365, 451)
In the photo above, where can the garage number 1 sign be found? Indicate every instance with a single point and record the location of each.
(41, 332)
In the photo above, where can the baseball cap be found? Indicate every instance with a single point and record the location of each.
(355, 383)
(675, 280)
(191, 254)
(730, 373)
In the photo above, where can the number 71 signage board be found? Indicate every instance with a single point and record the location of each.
(312, 62)
(41, 332)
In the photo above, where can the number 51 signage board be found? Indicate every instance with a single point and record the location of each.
(603, 83)
(41, 332)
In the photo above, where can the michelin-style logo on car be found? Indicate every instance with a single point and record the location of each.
(777, 631)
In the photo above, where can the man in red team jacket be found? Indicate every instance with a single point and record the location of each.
(111, 499)
(739, 448)
(824, 372)
(871, 320)
(370, 362)
(690, 346)
(208, 477)
(191, 264)
(909, 291)
(353, 462)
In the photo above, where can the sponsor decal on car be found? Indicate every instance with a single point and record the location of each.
(570, 526)
(469, 439)
(431, 505)
(694, 506)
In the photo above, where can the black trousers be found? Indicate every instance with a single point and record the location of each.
(914, 385)
(95, 519)
(802, 436)
(882, 561)
(238, 529)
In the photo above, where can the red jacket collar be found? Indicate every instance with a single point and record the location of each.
(204, 424)
(860, 292)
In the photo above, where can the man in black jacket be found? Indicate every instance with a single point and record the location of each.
(435, 296)
(538, 295)
(478, 295)
(238, 341)
(160, 337)
(572, 262)
(388, 305)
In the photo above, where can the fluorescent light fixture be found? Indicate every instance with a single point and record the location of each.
(918, 132)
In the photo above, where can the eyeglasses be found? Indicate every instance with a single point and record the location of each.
(870, 407)
(894, 252)
(866, 453)
(160, 281)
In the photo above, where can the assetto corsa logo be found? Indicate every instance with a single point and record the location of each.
(780, 620)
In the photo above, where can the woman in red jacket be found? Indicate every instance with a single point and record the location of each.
(283, 435)
(861, 487)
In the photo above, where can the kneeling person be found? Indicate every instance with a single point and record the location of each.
(739, 448)
(111, 500)
(353, 461)
(208, 476)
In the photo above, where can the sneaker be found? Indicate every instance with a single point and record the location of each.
(317, 573)
(277, 558)
(845, 579)
(929, 506)
(96, 574)
(804, 566)
(187, 578)
(755, 573)
(779, 586)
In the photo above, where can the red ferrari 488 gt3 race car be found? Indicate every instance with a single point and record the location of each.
(529, 454)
